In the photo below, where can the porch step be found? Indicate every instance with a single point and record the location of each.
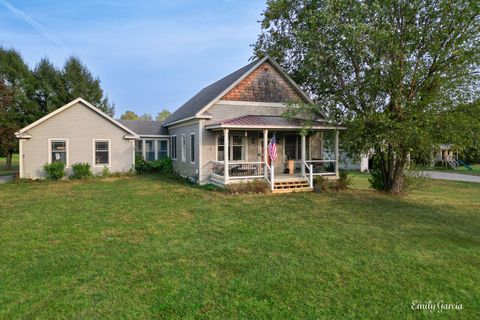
(291, 186)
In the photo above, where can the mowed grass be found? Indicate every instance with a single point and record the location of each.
(151, 247)
(3, 171)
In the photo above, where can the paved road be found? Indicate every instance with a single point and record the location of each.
(452, 176)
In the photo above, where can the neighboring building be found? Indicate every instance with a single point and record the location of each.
(239, 113)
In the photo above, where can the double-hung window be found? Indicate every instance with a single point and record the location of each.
(192, 147)
(237, 147)
(101, 152)
(173, 147)
(184, 148)
(139, 148)
(58, 151)
(162, 149)
(149, 150)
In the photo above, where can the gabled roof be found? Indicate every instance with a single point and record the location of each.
(20, 133)
(269, 122)
(145, 128)
(209, 95)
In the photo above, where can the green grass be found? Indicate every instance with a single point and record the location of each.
(150, 247)
(461, 170)
(4, 172)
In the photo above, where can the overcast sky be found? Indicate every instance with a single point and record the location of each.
(148, 54)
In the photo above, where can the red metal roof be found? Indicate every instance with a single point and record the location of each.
(263, 121)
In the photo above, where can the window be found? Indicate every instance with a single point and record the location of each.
(102, 152)
(293, 147)
(184, 148)
(58, 151)
(139, 148)
(162, 149)
(237, 151)
(220, 148)
(237, 148)
(174, 147)
(149, 150)
(192, 147)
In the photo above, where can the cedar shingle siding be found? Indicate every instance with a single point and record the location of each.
(264, 84)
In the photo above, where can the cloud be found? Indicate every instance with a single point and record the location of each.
(33, 23)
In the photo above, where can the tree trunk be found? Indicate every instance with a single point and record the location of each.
(397, 183)
(8, 161)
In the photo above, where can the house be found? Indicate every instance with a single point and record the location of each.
(218, 136)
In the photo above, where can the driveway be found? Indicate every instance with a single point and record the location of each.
(451, 176)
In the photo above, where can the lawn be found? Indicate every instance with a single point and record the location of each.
(4, 172)
(151, 247)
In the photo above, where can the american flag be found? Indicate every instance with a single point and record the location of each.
(272, 148)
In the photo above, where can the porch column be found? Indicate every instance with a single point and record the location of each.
(144, 151)
(226, 148)
(265, 151)
(303, 154)
(337, 154)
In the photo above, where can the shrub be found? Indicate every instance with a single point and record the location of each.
(157, 166)
(81, 171)
(256, 186)
(344, 180)
(140, 165)
(321, 184)
(106, 172)
(54, 170)
(211, 187)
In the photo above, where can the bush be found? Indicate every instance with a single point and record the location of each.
(54, 170)
(106, 172)
(81, 171)
(256, 186)
(344, 180)
(156, 166)
(321, 184)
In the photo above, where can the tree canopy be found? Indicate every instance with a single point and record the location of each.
(129, 115)
(403, 76)
(162, 115)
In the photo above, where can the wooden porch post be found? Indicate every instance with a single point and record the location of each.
(144, 151)
(303, 154)
(337, 154)
(265, 151)
(226, 148)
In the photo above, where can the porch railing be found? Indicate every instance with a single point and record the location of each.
(308, 173)
(245, 170)
(238, 170)
(322, 167)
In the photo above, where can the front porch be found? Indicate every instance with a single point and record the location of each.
(300, 157)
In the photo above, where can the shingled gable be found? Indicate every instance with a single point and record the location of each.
(199, 104)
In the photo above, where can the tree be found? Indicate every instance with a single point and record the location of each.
(162, 115)
(17, 109)
(49, 90)
(129, 115)
(146, 117)
(79, 82)
(396, 73)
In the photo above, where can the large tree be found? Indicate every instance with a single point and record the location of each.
(49, 87)
(162, 115)
(399, 74)
(129, 115)
(79, 82)
(16, 106)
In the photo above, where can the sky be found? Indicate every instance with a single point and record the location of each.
(149, 55)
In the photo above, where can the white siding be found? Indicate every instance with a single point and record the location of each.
(80, 125)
